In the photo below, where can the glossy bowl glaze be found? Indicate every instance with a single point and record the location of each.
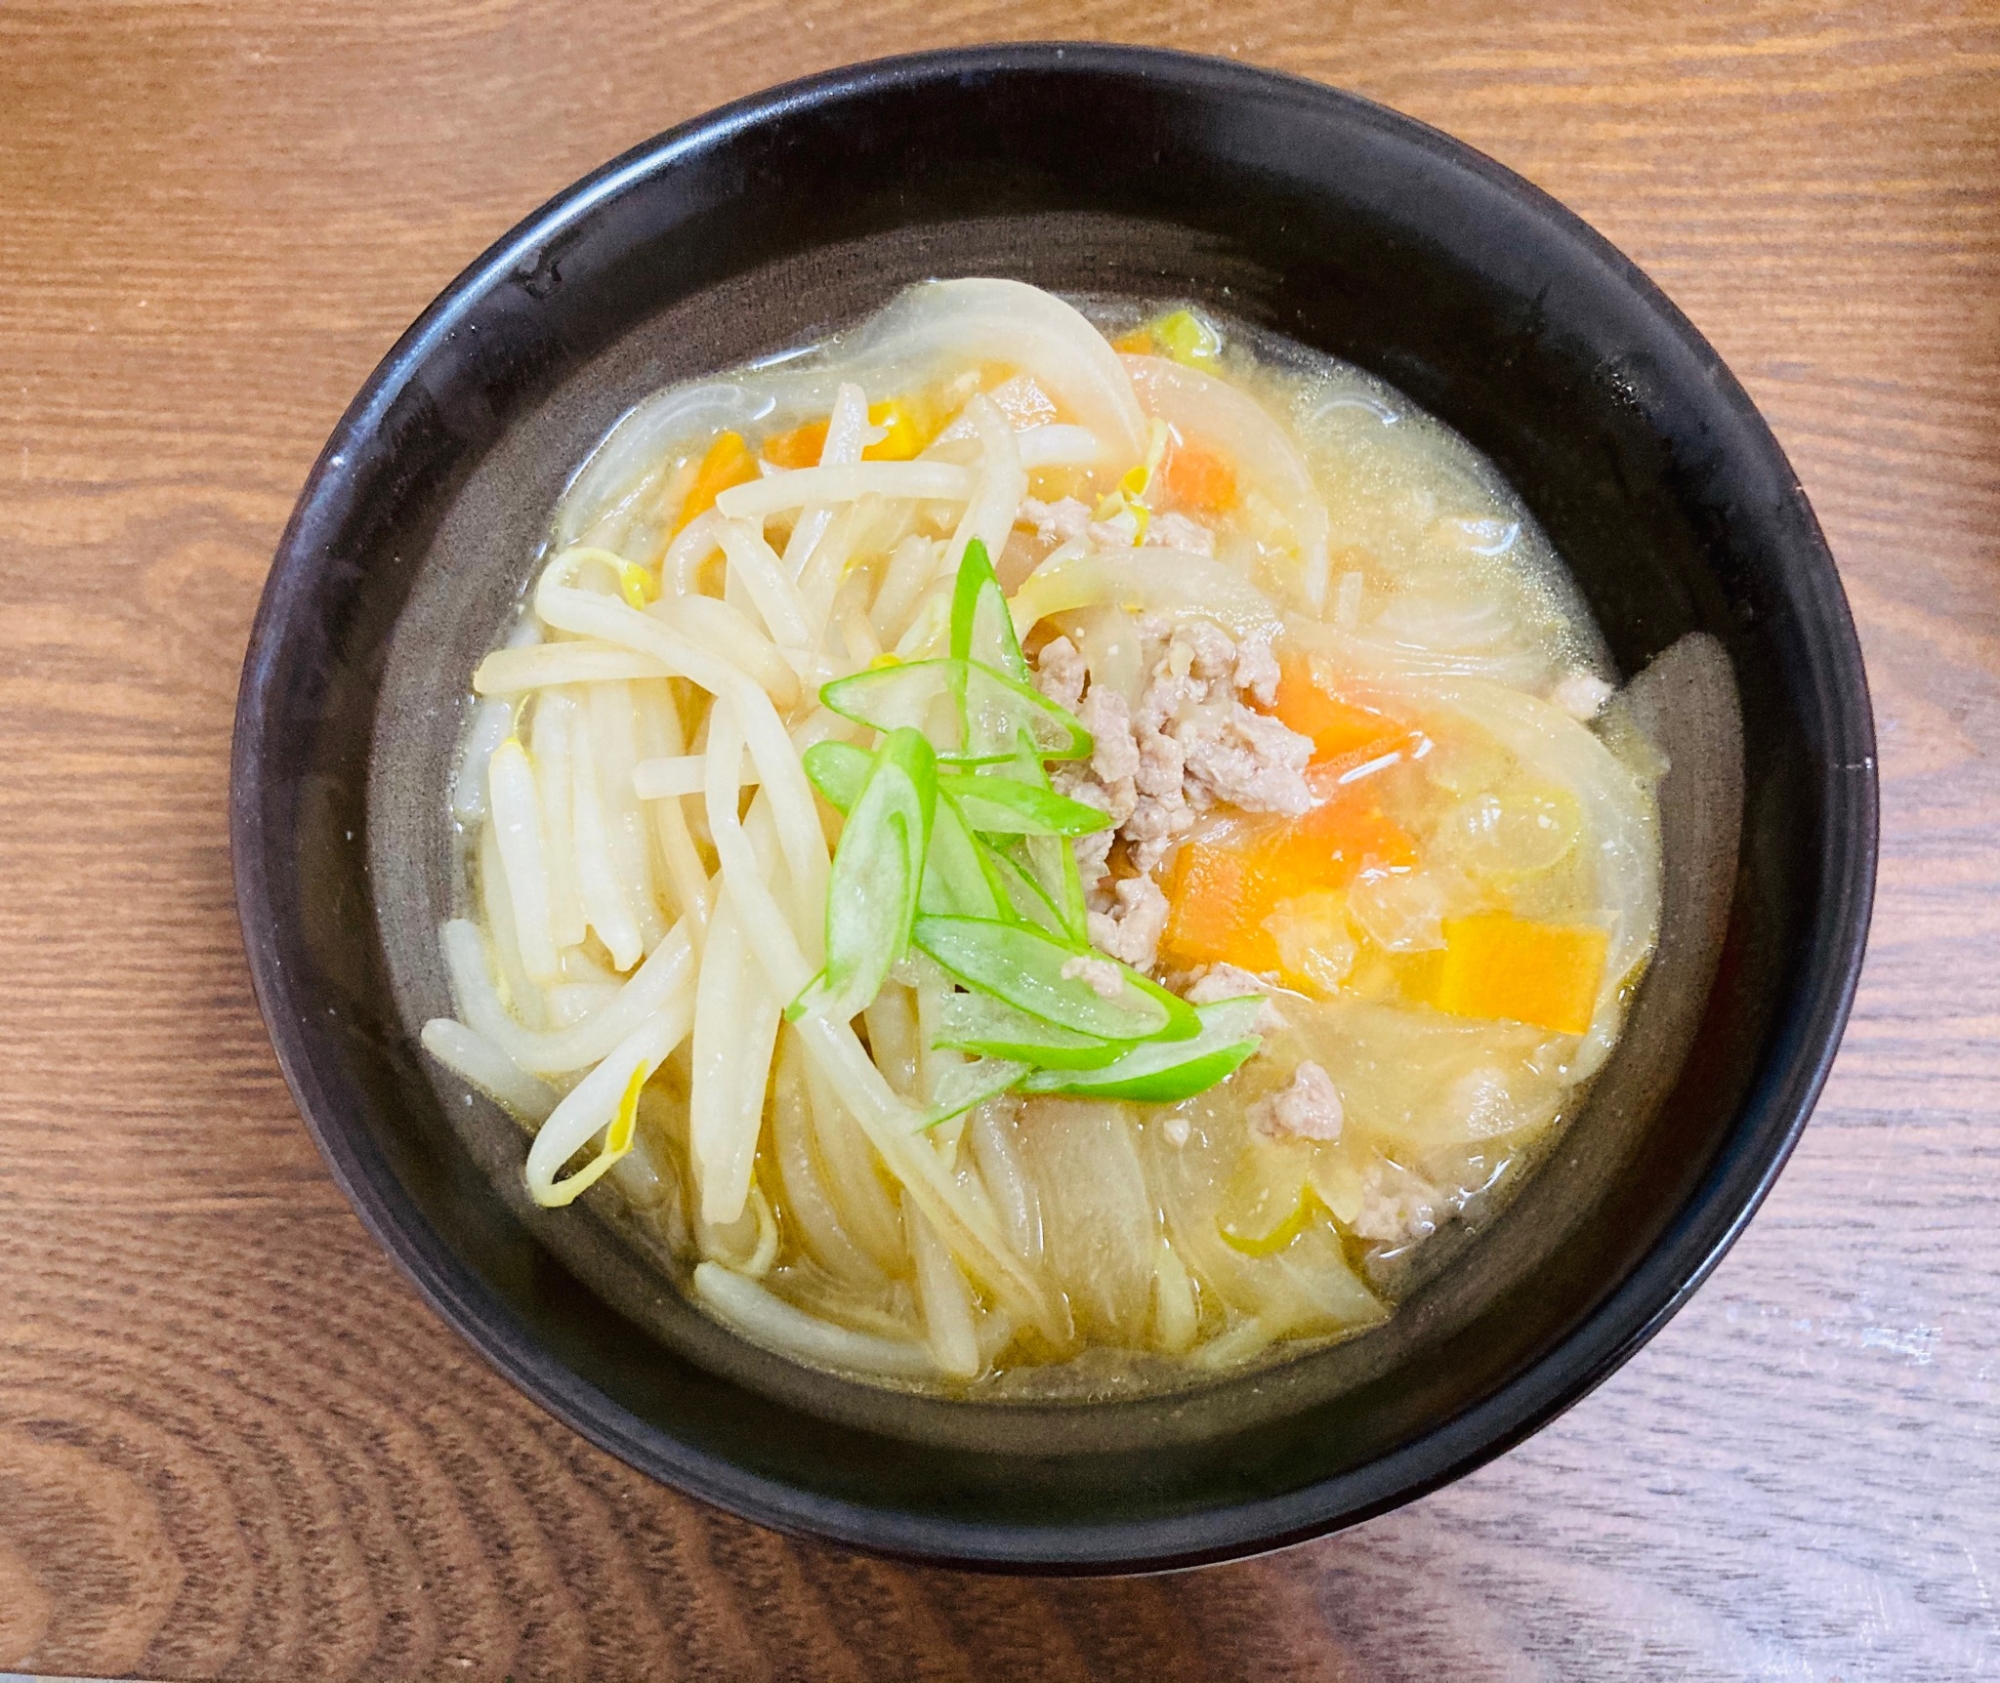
(1344, 225)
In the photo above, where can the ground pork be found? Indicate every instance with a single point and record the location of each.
(1251, 761)
(1257, 670)
(1062, 521)
(1396, 1205)
(1130, 929)
(1226, 981)
(1307, 1108)
(1177, 531)
(1060, 672)
(1114, 752)
(1093, 862)
(1190, 743)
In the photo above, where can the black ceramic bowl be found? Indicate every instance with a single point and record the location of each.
(1086, 168)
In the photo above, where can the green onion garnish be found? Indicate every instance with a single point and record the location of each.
(955, 841)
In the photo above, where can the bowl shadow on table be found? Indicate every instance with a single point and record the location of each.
(581, 1282)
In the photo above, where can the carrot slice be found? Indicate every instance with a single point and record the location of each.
(1199, 480)
(727, 463)
(1340, 729)
(1221, 897)
(1544, 974)
(1217, 909)
(799, 448)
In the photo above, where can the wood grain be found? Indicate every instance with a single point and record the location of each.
(233, 1443)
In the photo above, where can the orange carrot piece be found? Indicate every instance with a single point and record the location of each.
(1339, 729)
(1221, 896)
(727, 463)
(1332, 844)
(1218, 904)
(1543, 974)
(1199, 480)
(1139, 342)
(799, 448)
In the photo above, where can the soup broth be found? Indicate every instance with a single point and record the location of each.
(1044, 846)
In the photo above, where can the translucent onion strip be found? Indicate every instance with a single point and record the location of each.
(991, 1132)
(966, 1225)
(1009, 321)
(853, 1178)
(1176, 1313)
(946, 1303)
(772, 1322)
(807, 1202)
(1200, 406)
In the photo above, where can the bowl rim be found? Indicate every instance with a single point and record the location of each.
(1772, 1114)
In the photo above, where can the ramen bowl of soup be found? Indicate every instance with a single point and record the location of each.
(1054, 808)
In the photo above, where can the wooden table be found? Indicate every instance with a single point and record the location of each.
(233, 1442)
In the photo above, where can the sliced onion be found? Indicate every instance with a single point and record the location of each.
(1259, 447)
(1012, 322)
(1163, 581)
(617, 471)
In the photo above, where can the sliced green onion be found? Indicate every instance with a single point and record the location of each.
(973, 713)
(1024, 967)
(982, 627)
(976, 1022)
(838, 770)
(1049, 860)
(971, 1084)
(920, 694)
(1000, 806)
(871, 892)
(1053, 863)
(1023, 894)
(1164, 1072)
(958, 881)
(1000, 709)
